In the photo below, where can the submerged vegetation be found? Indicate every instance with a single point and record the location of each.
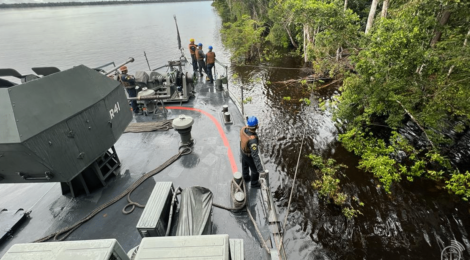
(328, 184)
(406, 66)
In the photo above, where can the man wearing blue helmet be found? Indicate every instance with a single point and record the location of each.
(200, 59)
(210, 61)
(249, 150)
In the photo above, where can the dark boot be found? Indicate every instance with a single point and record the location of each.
(247, 179)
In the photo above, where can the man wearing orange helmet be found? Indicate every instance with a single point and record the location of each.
(129, 83)
(192, 49)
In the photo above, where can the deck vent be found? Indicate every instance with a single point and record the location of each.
(103, 249)
(154, 220)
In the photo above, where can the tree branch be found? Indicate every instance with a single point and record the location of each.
(416, 122)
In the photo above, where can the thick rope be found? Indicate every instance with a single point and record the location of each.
(140, 127)
(235, 187)
(65, 232)
(291, 192)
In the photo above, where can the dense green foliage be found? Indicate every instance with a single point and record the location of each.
(401, 77)
(411, 69)
(328, 184)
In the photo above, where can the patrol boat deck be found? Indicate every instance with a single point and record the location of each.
(215, 157)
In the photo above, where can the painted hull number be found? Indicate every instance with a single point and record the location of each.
(114, 110)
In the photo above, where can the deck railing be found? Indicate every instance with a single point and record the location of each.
(238, 102)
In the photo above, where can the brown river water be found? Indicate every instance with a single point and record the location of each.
(415, 222)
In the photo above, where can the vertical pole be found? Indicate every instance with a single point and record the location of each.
(226, 75)
(243, 108)
(145, 54)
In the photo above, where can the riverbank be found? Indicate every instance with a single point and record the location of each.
(61, 4)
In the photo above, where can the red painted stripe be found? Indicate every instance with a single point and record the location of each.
(221, 132)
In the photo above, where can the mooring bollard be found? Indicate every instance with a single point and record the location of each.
(183, 125)
(218, 83)
(227, 117)
(237, 176)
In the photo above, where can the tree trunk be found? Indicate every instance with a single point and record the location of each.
(255, 14)
(308, 35)
(370, 20)
(437, 34)
(286, 27)
(315, 32)
(385, 8)
(339, 51)
(466, 38)
(464, 45)
(305, 44)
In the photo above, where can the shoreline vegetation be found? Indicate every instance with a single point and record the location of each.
(404, 71)
(62, 4)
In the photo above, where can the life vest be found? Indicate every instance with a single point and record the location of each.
(192, 48)
(210, 57)
(125, 82)
(244, 138)
(199, 54)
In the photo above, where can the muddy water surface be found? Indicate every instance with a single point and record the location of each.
(415, 222)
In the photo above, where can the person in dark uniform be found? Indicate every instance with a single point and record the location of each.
(200, 60)
(192, 50)
(210, 60)
(129, 83)
(249, 150)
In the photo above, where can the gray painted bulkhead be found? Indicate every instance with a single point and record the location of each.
(59, 124)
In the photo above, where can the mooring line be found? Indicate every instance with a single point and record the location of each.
(292, 191)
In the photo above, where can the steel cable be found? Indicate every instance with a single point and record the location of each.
(65, 232)
(291, 193)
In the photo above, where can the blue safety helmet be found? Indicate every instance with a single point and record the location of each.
(200, 44)
(252, 121)
(210, 47)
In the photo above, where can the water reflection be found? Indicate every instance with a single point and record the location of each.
(416, 221)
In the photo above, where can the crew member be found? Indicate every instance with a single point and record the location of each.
(249, 150)
(129, 83)
(200, 59)
(192, 49)
(210, 60)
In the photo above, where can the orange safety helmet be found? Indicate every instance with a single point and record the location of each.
(123, 68)
(191, 40)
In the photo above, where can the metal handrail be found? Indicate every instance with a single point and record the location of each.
(228, 89)
(106, 65)
(120, 65)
